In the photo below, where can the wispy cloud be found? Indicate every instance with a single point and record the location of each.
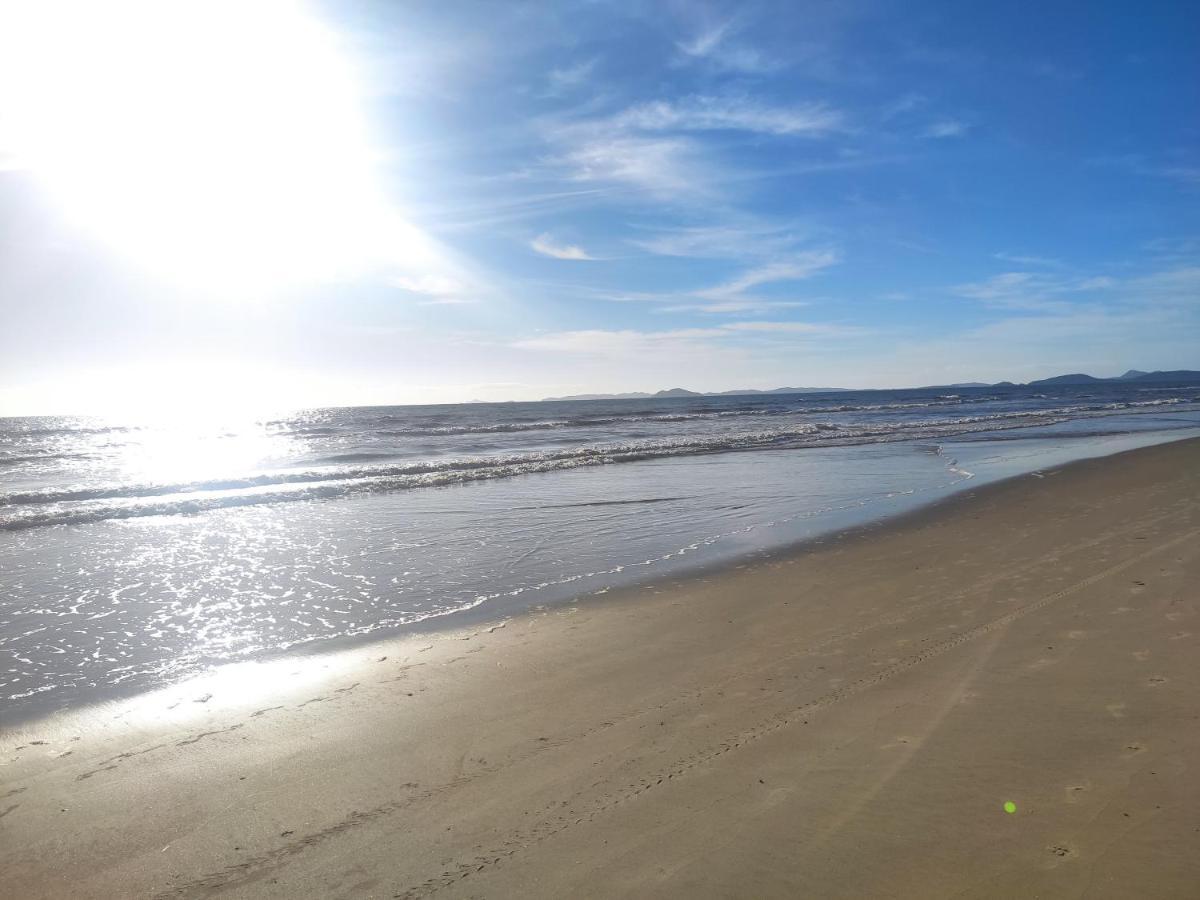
(650, 145)
(1185, 172)
(905, 104)
(947, 128)
(636, 342)
(546, 245)
(563, 80)
(798, 267)
(734, 296)
(734, 307)
(1177, 287)
(1175, 249)
(791, 328)
(1026, 260)
(707, 39)
(438, 289)
(1010, 290)
(734, 241)
(732, 113)
(1189, 175)
(663, 165)
(715, 45)
(1035, 291)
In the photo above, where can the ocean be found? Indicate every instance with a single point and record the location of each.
(134, 554)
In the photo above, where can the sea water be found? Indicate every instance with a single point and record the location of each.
(135, 553)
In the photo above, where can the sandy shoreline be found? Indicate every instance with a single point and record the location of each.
(843, 720)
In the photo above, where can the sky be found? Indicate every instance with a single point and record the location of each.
(286, 204)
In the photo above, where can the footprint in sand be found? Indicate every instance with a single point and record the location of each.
(1133, 748)
(1058, 854)
(1180, 635)
(1156, 680)
(1074, 791)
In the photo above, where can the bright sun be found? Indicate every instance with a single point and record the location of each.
(220, 143)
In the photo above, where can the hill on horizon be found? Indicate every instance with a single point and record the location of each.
(1080, 378)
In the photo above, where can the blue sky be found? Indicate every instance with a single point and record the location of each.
(585, 196)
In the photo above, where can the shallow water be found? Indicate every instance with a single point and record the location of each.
(136, 555)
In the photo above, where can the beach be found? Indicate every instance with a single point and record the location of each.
(844, 718)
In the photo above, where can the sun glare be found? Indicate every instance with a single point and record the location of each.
(220, 143)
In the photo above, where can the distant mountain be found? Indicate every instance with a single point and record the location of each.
(682, 392)
(1077, 378)
(635, 395)
(1133, 375)
(1173, 375)
(782, 390)
(958, 384)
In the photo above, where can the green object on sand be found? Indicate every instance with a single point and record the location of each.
(1009, 806)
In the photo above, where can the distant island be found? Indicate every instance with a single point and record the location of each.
(1133, 375)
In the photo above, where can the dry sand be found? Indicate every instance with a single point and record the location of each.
(846, 719)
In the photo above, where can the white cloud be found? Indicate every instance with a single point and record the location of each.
(433, 285)
(545, 245)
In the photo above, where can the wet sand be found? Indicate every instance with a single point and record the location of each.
(846, 719)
